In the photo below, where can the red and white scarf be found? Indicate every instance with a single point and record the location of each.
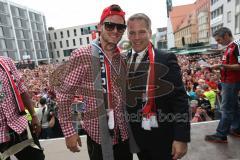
(149, 110)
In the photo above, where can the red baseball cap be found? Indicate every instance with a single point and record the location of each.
(109, 12)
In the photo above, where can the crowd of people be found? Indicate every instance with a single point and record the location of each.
(202, 85)
(43, 97)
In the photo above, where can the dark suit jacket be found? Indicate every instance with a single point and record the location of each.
(171, 100)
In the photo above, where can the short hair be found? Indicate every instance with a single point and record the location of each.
(222, 31)
(43, 101)
(141, 16)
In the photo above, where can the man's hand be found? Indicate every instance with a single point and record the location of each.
(36, 126)
(72, 143)
(179, 149)
(216, 66)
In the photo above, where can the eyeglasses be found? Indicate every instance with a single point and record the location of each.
(109, 26)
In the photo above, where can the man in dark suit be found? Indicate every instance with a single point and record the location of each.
(157, 103)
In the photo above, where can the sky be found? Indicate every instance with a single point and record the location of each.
(69, 13)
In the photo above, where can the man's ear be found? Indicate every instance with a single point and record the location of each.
(150, 33)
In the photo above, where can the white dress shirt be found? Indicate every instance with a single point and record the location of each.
(139, 57)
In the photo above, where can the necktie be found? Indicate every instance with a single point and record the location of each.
(132, 65)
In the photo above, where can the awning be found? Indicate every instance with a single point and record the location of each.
(193, 51)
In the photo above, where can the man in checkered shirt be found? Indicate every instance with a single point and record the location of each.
(13, 125)
(79, 80)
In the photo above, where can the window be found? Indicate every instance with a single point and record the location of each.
(37, 45)
(74, 42)
(16, 22)
(42, 45)
(28, 44)
(2, 44)
(75, 32)
(61, 33)
(68, 34)
(54, 45)
(221, 10)
(85, 30)
(80, 41)
(237, 17)
(1, 32)
(15, 11)
(60, 44)
(13, 55)
(55, 35)
(19, 34)
(3, 7)
(58, 55)
(39, 27)
(37, 17)
(5, 20)
(40, 35)
(50, 46)
(22, 45)
(68, 52)
(32, 17)
(35, 36)
(87, 40)
(49, 37)
(7, 32)
(39, 54)
(22, 13)
(34, 26)
(67, 43)
(10, 44)
(26, 34)
(229, 16)
(51, 55)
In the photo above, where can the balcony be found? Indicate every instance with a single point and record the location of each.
(216, 20)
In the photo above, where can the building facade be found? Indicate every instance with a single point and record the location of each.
(203, 20)
(181, 24)
(225, 13)
(22, 33)
(63, 41)
(186, 32)
(191, 23)
(161, 38)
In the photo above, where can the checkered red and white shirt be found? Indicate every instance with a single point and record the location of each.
(80, 79)
(9, 113)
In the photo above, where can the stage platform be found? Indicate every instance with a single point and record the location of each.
(198, 148)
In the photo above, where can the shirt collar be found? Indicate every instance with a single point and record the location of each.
(140, 54)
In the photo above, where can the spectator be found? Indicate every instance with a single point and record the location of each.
(230, 77)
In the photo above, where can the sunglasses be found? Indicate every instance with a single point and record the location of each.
(109, 26)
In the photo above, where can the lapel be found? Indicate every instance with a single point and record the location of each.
(129, 54)
(140, 76)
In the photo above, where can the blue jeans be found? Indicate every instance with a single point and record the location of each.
(230, 109)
